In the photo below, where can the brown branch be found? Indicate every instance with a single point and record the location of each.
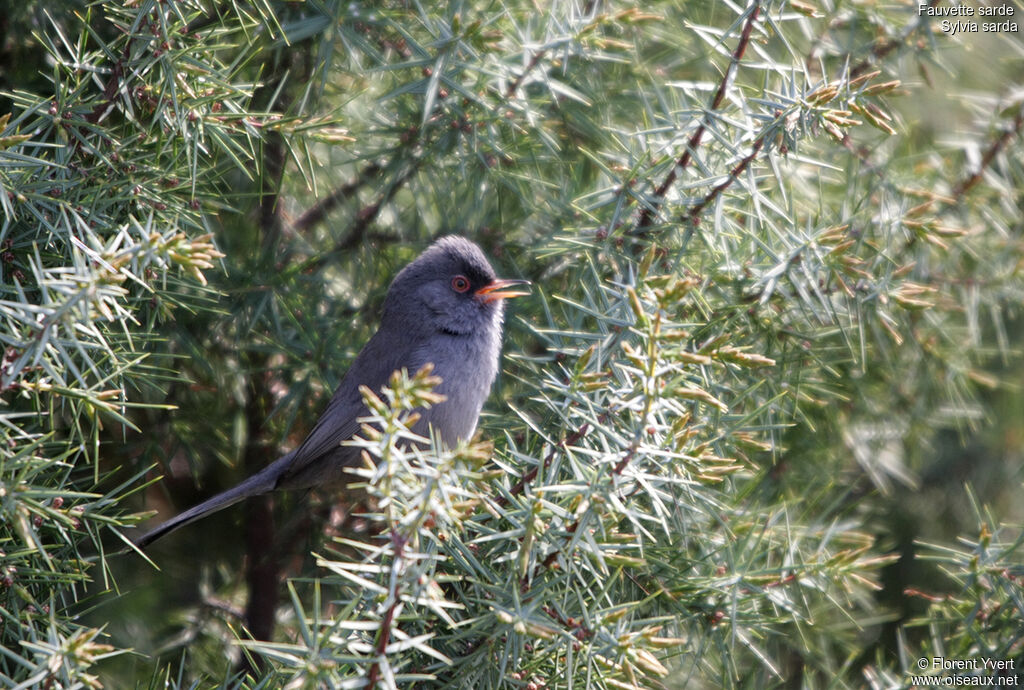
(860, 151)
(553, 556)
(626, 459)
(998, 145)
(878, 50)
(577, 626)
(529, 476)
(572, 438)
(262, 573)
(113, 84)
(366, 215)
(734, 174)
(318, 212)
(274, 159)
(520, 486)
(884, 46)
(369, 213)
(617, 470)
(384, 634)
(961, 188)
(262, 567)
(364, 218)
(650, 210)
(518, 81)
(110, 90)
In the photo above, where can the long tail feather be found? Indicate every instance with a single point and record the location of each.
(260, 483)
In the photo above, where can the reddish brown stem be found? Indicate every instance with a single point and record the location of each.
(626, 459)
(318, 212)
(619, 467)
(998, 145)
(366, 215)
(384, 634)
(881, 48)
(651, 210)
(518, 81)
(695, 212)
(530, 475)
(111, 88)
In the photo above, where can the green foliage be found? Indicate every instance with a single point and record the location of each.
(776, 256)
(980, 620)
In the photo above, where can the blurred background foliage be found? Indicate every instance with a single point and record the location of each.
(759, 423)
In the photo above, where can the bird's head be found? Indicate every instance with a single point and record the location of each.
(449, 288)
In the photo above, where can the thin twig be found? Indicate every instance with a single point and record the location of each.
(626, 458)
(110, 90)
(364, 218)
(885, 45)
(998, 145)
(263, 567)
(734, 174)
(384, 633)
(651, 210)
(529, 476)
(569, 440)
(518, 81)
(318, 212)
(571, 529)
(366, 215)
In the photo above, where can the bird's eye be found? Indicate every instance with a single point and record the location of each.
(460, 283)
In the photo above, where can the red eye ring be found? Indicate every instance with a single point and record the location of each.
(460, 283)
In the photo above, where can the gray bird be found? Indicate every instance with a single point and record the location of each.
(445, 308)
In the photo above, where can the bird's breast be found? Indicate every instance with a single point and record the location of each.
(467, 367)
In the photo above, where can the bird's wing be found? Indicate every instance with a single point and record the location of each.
(381, 355)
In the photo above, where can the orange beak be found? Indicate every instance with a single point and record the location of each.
(495, 290)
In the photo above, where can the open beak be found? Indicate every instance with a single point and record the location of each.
(496, 289)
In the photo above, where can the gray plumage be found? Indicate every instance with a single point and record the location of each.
(446, 308)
